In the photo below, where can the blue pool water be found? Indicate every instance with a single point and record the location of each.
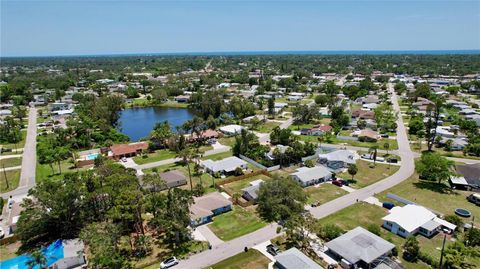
(92, 156)
(52, 252)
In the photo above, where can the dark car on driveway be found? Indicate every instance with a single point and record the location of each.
(344, 182)
(273, 250)
(337, 183)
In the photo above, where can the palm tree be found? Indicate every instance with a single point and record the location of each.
(373, 151)
(37, 258)
(187, 155)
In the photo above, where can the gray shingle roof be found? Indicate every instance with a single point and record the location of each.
(295, 259)
(360, 245)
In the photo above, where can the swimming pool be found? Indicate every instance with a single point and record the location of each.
(52, 253)
(92, 156)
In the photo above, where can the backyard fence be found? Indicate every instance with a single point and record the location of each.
(245, 158)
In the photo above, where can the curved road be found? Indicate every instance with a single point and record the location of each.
(230, 248)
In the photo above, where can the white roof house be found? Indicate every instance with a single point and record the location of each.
(226, 165)
(231, 129)
(307, 176)
(410, 219)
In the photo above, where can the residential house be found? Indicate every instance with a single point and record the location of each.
(359, 248)
(281, 149)
(338, 159)
(182, 98)
(294, 259)
(126, 150)
(308, 176)
(363, 114)
(368, 135)
(469, 176)
(225, 166)
(456, 144)
(250, 193)
(369, 99)
(205, 135)
(231, 129)
(204, 208)
(316, 130)
(174, 178)
(412, 219)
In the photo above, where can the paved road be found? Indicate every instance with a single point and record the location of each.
(29, 158)
(235, 246)
(228, 249)
(173, 160)
(405, 171)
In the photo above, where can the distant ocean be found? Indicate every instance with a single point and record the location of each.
(293, 52)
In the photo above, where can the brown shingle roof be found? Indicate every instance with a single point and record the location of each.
(123, 149)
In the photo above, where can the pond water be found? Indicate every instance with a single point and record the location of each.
(138, 122)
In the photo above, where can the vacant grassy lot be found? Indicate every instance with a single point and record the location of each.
(237, 186)
(267, 127)
(156, 156)
(252, 259)
(324, 192)
(238, 222)
(438, 197)
(10, 162)
(367, 176)
(13, 178)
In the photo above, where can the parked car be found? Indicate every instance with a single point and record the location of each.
(2, 233)
(344, 182)
(388, 205)
(124, 159)
(474, 198)
(168, 263)
(392, 160)
(337, 183)
(366, 156)
(380, 159)
(315, 204)
(273, 250)
(384, 135)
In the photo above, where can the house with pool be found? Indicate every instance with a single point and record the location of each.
(204, 208)
(61, 254)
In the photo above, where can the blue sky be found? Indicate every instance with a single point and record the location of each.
(65, 27)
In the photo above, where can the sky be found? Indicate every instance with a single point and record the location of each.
(85, 27)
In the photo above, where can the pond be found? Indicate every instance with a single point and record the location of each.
(138, 122)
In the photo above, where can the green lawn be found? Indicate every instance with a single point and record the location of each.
(267, 127)
(156, 156)
(252, 259)
(205, 179)
(227, 141)
(237, 186)
(367, 176)
(13, 178)
(238, 222)
(363, 214)
(20, 144)
(44, 171)
(218, 156)
(334, 140)
(10, 162)
(432, 195)
(324, 192)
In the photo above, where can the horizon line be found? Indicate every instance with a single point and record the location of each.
(268, 52)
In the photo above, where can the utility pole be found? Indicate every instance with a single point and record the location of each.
(443, 247)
